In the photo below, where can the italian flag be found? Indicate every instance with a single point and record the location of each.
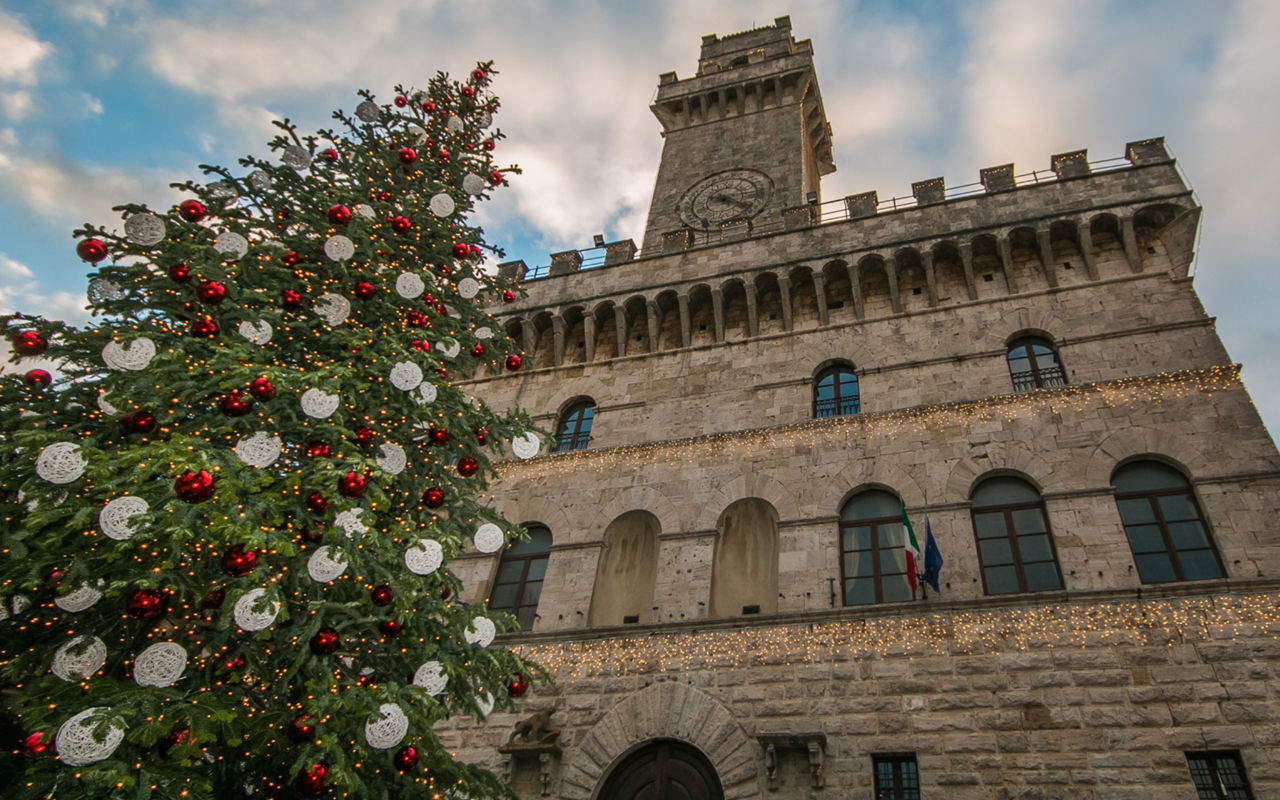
(912, 548)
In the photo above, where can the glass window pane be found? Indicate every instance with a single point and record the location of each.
(1004, 491)
(1001, 580)
(503, 597)
(891, 535)
(995, 552)
(532, 591)
(866, 565)
(858, 538)
(1177, 507)
(990, 525)
(1028, 520)
(874, 504)
(859, 592)
(1035, 548)
(537, 569)
(1042, 577)
(1136, 511)
(1147, 476)
(510, 571)
(1145, 538)
(539, 542)
(525, 617)
(896, 589)
(1154, 567)
(1188, 535)
(893, 561)
(1198, 565)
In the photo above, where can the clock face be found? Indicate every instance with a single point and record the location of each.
(735, 194)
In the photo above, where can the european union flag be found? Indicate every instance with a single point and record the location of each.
(932, 558)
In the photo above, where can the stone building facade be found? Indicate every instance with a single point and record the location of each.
(1022, 364)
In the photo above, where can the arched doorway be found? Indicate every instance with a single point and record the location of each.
(663, 770)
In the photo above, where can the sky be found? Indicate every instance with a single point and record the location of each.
(108, 101)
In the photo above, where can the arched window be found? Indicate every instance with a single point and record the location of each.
(1014, 546)
(1162, 520)
(1034, 364)
(520, 574)
(574, 430)
(873, 561)
(835, 392)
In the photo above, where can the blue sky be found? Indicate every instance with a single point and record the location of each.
(108, 101)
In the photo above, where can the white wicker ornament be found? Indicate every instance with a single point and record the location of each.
(526, 446)
(484, 333)
(21, 603)
(454, 124)
(349, 523)
(418, 132)
(449, 347)
(259, 450)
(481, 631)
(339, 248)
(251, 620)
(388, 729)
(426, 393)
(222, 190)
(367, 111)
(104, 405)
(425, 557)
(134, 356)
(231, 243)
(485, 702)
(364, 211)
(256, 332)
(77, 745)
(259, 180)
(409, 286)
(488, 538)
(145, 229)
(430, 676)
(296, 157)
(334, 308)
(60, 463)
(406, 375)
(468, 288)
(472, 184)
(486, 120)
(160, 665)
(116, 517)
(441, 205)
(79, 600)
(101, 290)
(391, 458)
(323, 567)
(317, 404)
(75, 667)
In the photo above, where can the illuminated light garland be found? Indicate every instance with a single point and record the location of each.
(820, 432)
(1078, 626)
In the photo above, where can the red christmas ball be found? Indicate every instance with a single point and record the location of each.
(138, 421)
(441, 310)
(429, 107)
(399, 224)
(417, 319)
(238, 562)
(478, 76)
(290, 299)
(468, 91)
(401, 101)
(213, 599)
(194, 487)
(311, 781)
(513, 362)
(205, 328)
(329, 154)
(339, 214)
(290, 258)
(438, 436)
(444, 270)
(383, 196)
(261, 388)
(29, 343)
(495, 177)
(211, 293)
(325, 641)
(518, 686)
(418, 344)
(460, 250)
(477, 350)
(363, 290)
(508, 296)
(429, 299)
(179, 273)
(482, 435)
(363, 436)
(382, 595)
(406, 757)
(313, 532)
(284, 212)
(192, 210)
(316, 449)
(301, 730)
(433, 497)
(147, 603)
(176, 737)
(91, 250)
(33, 744)
(352, 485)
(390, 627)
(468, 466)
(407, 155)
(236, 404)
(445, 593)
(317, 502)
(476, 252)
(37, 378)
(488, 144)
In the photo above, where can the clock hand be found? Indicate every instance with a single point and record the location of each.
(733, 201)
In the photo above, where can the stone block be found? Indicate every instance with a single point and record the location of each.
(929, 191)
(1074, 164)
(513, 270)
(864, 204)
(997, 179)
(1147, 151)
(619, 252)
(564, 263)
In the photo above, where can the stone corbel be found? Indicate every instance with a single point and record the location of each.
(814, 744)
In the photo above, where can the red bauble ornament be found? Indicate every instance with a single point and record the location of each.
(213, 599)
(488, 144)
(138, 422)
(37, 378)
(433, 497)
(329, 154)
(192, 210)
(363, 290)
(339, 214)
(284, 212)
(444, 270)
(518, 686)
(301, 730)
(383, 196)
(234, 664)
(477, 351)
(495, 177)
(313, 532)
(417, 319)
(316, 450)
(147, 603)
(508, 296)
(438, 436)
(441, 310)
(399, 224)
(290, 299)
(468, 91)
(325, 641)
(478, 76)
(513, 362)
(476, 252)
(428, 106)
(262, 389)
(205, 328)
(482, 435)
(445, 593)
(235, 405)
(91, 250)
(390, 627)
(352, 485)
(460, 250)
(429, 299)
(418, 344)
(290, 258)
(311, 781)
(317, 502)
(382, 595)
(401, 101)
(406, 757)
(194, 487)
(33, 744)
(407, 155)
(29, 343)
(468, 466)
(179, 273)
(238, 562)
(211, 293)
(363, 436)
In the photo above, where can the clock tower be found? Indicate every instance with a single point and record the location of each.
(746, 137)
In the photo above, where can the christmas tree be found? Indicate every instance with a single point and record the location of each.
(226, 525)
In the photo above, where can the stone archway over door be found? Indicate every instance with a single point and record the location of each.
(663, 770)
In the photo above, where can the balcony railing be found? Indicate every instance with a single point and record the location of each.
(1042, 378)
(572, 441)
(834, 407)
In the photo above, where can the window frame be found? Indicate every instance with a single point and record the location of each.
(1012, 536)
(1166, 535)
(579, 437)
(518, 604)
(837, 402)
(876, 577)
(897, 788)
(1038, 376)
(1218, 788)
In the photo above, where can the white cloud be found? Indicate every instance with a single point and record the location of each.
(17, 105)
(21, 292)
(20, 51)
(97, 12)
(91, 104)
